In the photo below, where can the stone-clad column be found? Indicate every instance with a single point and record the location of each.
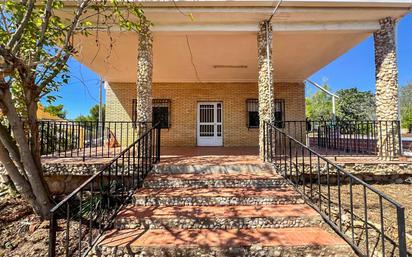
(144, 74)
(265, 79)
(386, 86)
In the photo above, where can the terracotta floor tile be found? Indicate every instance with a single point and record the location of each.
(219, 238)
(287, 210)
(194, 176)
(216, 192)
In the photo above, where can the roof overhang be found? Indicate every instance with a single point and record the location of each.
(219, 45)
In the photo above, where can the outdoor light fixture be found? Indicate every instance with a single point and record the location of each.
(230, 66)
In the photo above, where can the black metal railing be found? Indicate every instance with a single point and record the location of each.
(354, 138)
(369, 220)
(80, 219)
(91, 139)
(87, 139)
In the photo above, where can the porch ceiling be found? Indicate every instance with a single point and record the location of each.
(307, 36)
(296, 55)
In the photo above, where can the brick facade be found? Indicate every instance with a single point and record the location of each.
(184, 98)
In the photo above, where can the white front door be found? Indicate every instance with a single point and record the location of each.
(209, 124)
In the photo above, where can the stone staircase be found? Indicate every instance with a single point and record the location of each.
(225, 211)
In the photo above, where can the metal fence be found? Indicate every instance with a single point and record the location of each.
(91, 139)
(369, 220)
(353, 138)
(88, 139)
(78, 221)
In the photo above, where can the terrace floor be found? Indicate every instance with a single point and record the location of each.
(203, 156)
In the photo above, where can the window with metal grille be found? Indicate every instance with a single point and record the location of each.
(161, 112)
(252, 112)
(279, 113)
(134, 111)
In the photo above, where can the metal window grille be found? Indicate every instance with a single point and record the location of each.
(252, 113)
(161, 109)
(279, 113)
(161, 112)
(134, 110)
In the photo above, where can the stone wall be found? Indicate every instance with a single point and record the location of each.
(184, 98)
(372, 173)
(64, 178)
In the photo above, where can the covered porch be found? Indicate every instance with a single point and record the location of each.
(229, 57)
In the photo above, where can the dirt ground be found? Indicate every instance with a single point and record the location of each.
(21, 232)
(402, 193)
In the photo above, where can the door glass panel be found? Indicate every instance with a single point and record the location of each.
(219, 113)
(207, 130)
(207, 113)
(210, 123)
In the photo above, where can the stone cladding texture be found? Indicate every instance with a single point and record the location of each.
(144, 74)
(386, 82)
(265, 79)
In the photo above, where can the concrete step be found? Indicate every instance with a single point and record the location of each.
(212, 168)
(216, 196)
(217, 217)
(219, 243)
(259, 180)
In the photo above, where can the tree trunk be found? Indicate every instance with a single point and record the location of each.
(34, 173)
(21, 184)
(10, 145)
(33, 126)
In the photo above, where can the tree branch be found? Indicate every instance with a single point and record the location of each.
(65, 48)
(55, 72)
(19, 32)
(44, 26)
(3, 17)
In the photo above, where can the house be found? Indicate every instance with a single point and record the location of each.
(210, 76)
(231, 74)
(44, 115)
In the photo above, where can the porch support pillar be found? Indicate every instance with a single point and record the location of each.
(265, 80)
(387, 102)
(144, 73)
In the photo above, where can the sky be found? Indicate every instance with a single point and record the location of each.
(355, 68)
